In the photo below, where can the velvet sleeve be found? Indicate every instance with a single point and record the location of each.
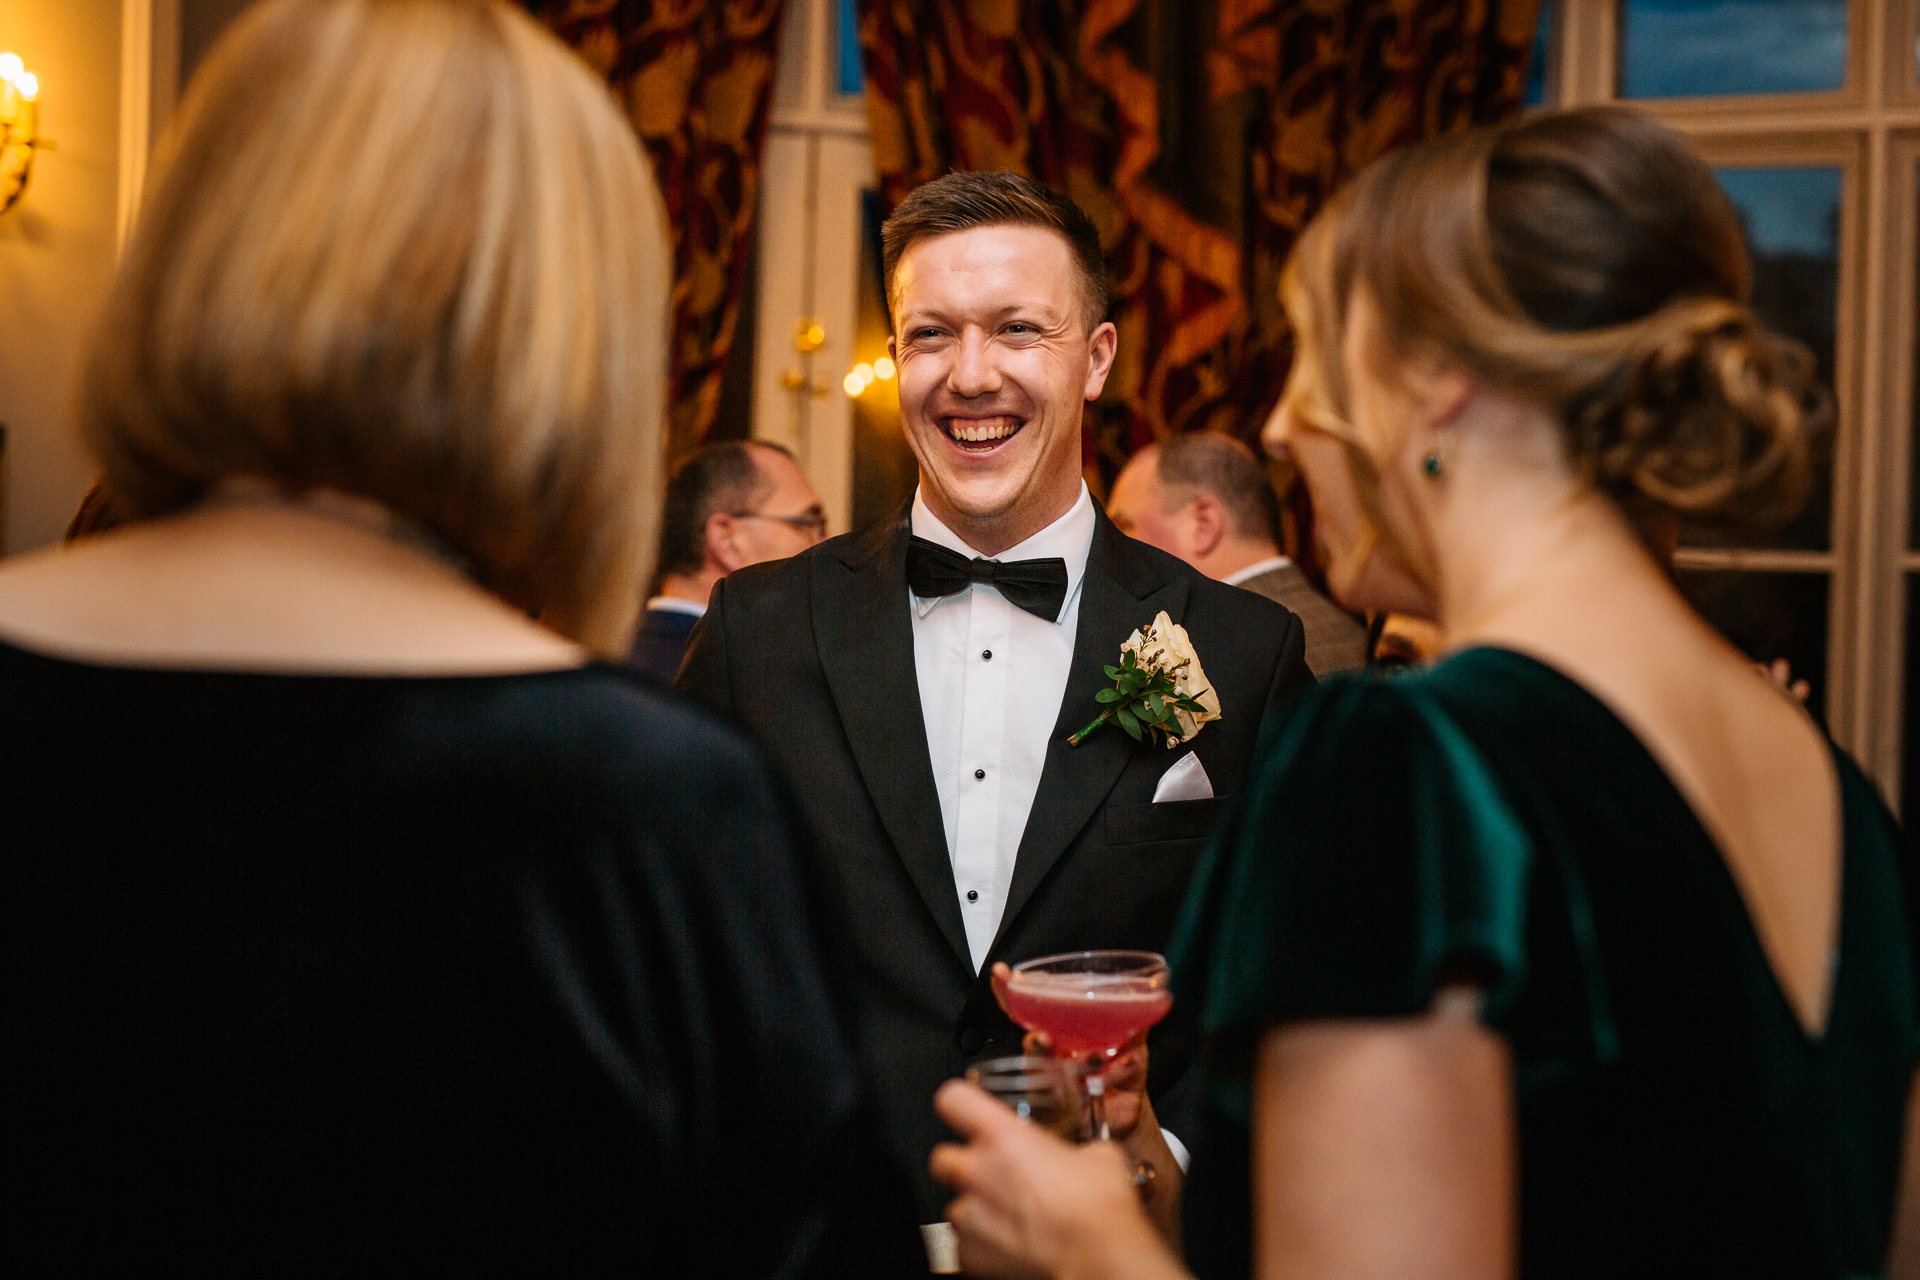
(1374, 854)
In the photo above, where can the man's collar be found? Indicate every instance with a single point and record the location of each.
(1255, 569)
(674, 604)
(1070, 537)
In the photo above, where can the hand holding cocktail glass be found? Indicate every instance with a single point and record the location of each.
(1095, 1008)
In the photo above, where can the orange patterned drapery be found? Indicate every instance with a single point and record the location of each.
(1200, 136)
(696, 80)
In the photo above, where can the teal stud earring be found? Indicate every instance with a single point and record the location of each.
(1434, 463)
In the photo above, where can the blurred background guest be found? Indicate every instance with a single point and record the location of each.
(730, 505)
(1402, 640)
(1581, 952)
(1205, 498)
(351, 918)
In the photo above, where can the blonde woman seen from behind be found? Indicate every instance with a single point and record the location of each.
(355, 915)
(1582, 952)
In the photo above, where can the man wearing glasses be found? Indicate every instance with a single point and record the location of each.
(730, 505)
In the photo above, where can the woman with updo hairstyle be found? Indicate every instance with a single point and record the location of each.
(356, 916)
(1581, 952)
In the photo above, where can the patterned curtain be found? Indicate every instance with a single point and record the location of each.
(1200, 136)
(696, 79)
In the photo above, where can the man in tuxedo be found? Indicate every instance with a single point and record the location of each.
(730, 505)
(915, 683)
(1204, 497)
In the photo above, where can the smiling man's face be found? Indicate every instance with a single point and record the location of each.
(996, 364)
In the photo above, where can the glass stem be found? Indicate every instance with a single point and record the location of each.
(1096, 1100)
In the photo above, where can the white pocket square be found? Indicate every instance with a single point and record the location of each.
(1185, 780)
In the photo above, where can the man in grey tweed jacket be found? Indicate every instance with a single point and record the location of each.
(1204, 497)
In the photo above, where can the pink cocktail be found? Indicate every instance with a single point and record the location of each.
(1087, 1013)
(1089, 1004)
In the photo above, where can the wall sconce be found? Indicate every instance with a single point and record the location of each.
(19, 128)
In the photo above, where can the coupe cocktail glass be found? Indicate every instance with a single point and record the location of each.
(1089, 1004)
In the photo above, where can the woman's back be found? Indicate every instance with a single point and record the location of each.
(1491, 820)
(441, 972)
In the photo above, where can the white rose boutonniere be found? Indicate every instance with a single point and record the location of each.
(1158, 691)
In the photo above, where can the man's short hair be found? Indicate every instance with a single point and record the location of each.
(962, 201)
(721, 478)
(1208, 462)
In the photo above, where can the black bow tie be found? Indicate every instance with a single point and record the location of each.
(1038, 586)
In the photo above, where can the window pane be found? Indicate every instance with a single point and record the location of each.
(1913, 487)
(1535, 94)
(1685, 48)
(1768, 616)
(1792, 221)
(884, 469)
(1910, 731)
(848, 49)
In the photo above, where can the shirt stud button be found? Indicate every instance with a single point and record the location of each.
(973, 895)
(979, 773)
(986, 655)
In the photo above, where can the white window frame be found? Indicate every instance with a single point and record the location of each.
(818, 162)
(1870, 129)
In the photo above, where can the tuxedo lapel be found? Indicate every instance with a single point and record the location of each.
(1121, 591)
(865, 638)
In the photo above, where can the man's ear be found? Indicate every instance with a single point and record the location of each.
(1209, 524)
(1100, 352)
(722, 541)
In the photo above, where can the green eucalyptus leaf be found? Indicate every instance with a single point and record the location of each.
(1127, 722)
(1108, 695)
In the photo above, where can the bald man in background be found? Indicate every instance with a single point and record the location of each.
(1205, 498)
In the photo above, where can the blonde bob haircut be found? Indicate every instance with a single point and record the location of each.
(409, 250)
(1586, 260)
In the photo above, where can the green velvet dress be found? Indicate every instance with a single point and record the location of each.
(1489, 817)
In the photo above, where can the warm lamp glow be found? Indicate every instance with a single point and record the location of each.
(861, 376)
(19, 127)
(883, 368)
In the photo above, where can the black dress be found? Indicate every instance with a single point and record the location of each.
(454, 975)
(1489, 816)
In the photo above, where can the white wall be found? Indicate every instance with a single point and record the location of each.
(56, 255)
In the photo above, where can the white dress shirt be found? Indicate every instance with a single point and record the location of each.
(1255, 569)
(674, 604)
(991, 679)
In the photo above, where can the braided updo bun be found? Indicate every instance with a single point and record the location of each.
(1586, 260)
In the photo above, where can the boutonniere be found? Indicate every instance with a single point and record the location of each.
(1158, 687)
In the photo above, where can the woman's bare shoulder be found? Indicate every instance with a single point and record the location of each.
(265, 590)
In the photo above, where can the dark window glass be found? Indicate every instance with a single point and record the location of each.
(1769, 616)
(848, 49)
(1541, 60)
(1910, 732)
(1792, 221)
(1913, 488)
(1686, 48)
(884, 469)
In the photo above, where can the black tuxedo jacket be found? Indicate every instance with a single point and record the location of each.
(814, 657)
